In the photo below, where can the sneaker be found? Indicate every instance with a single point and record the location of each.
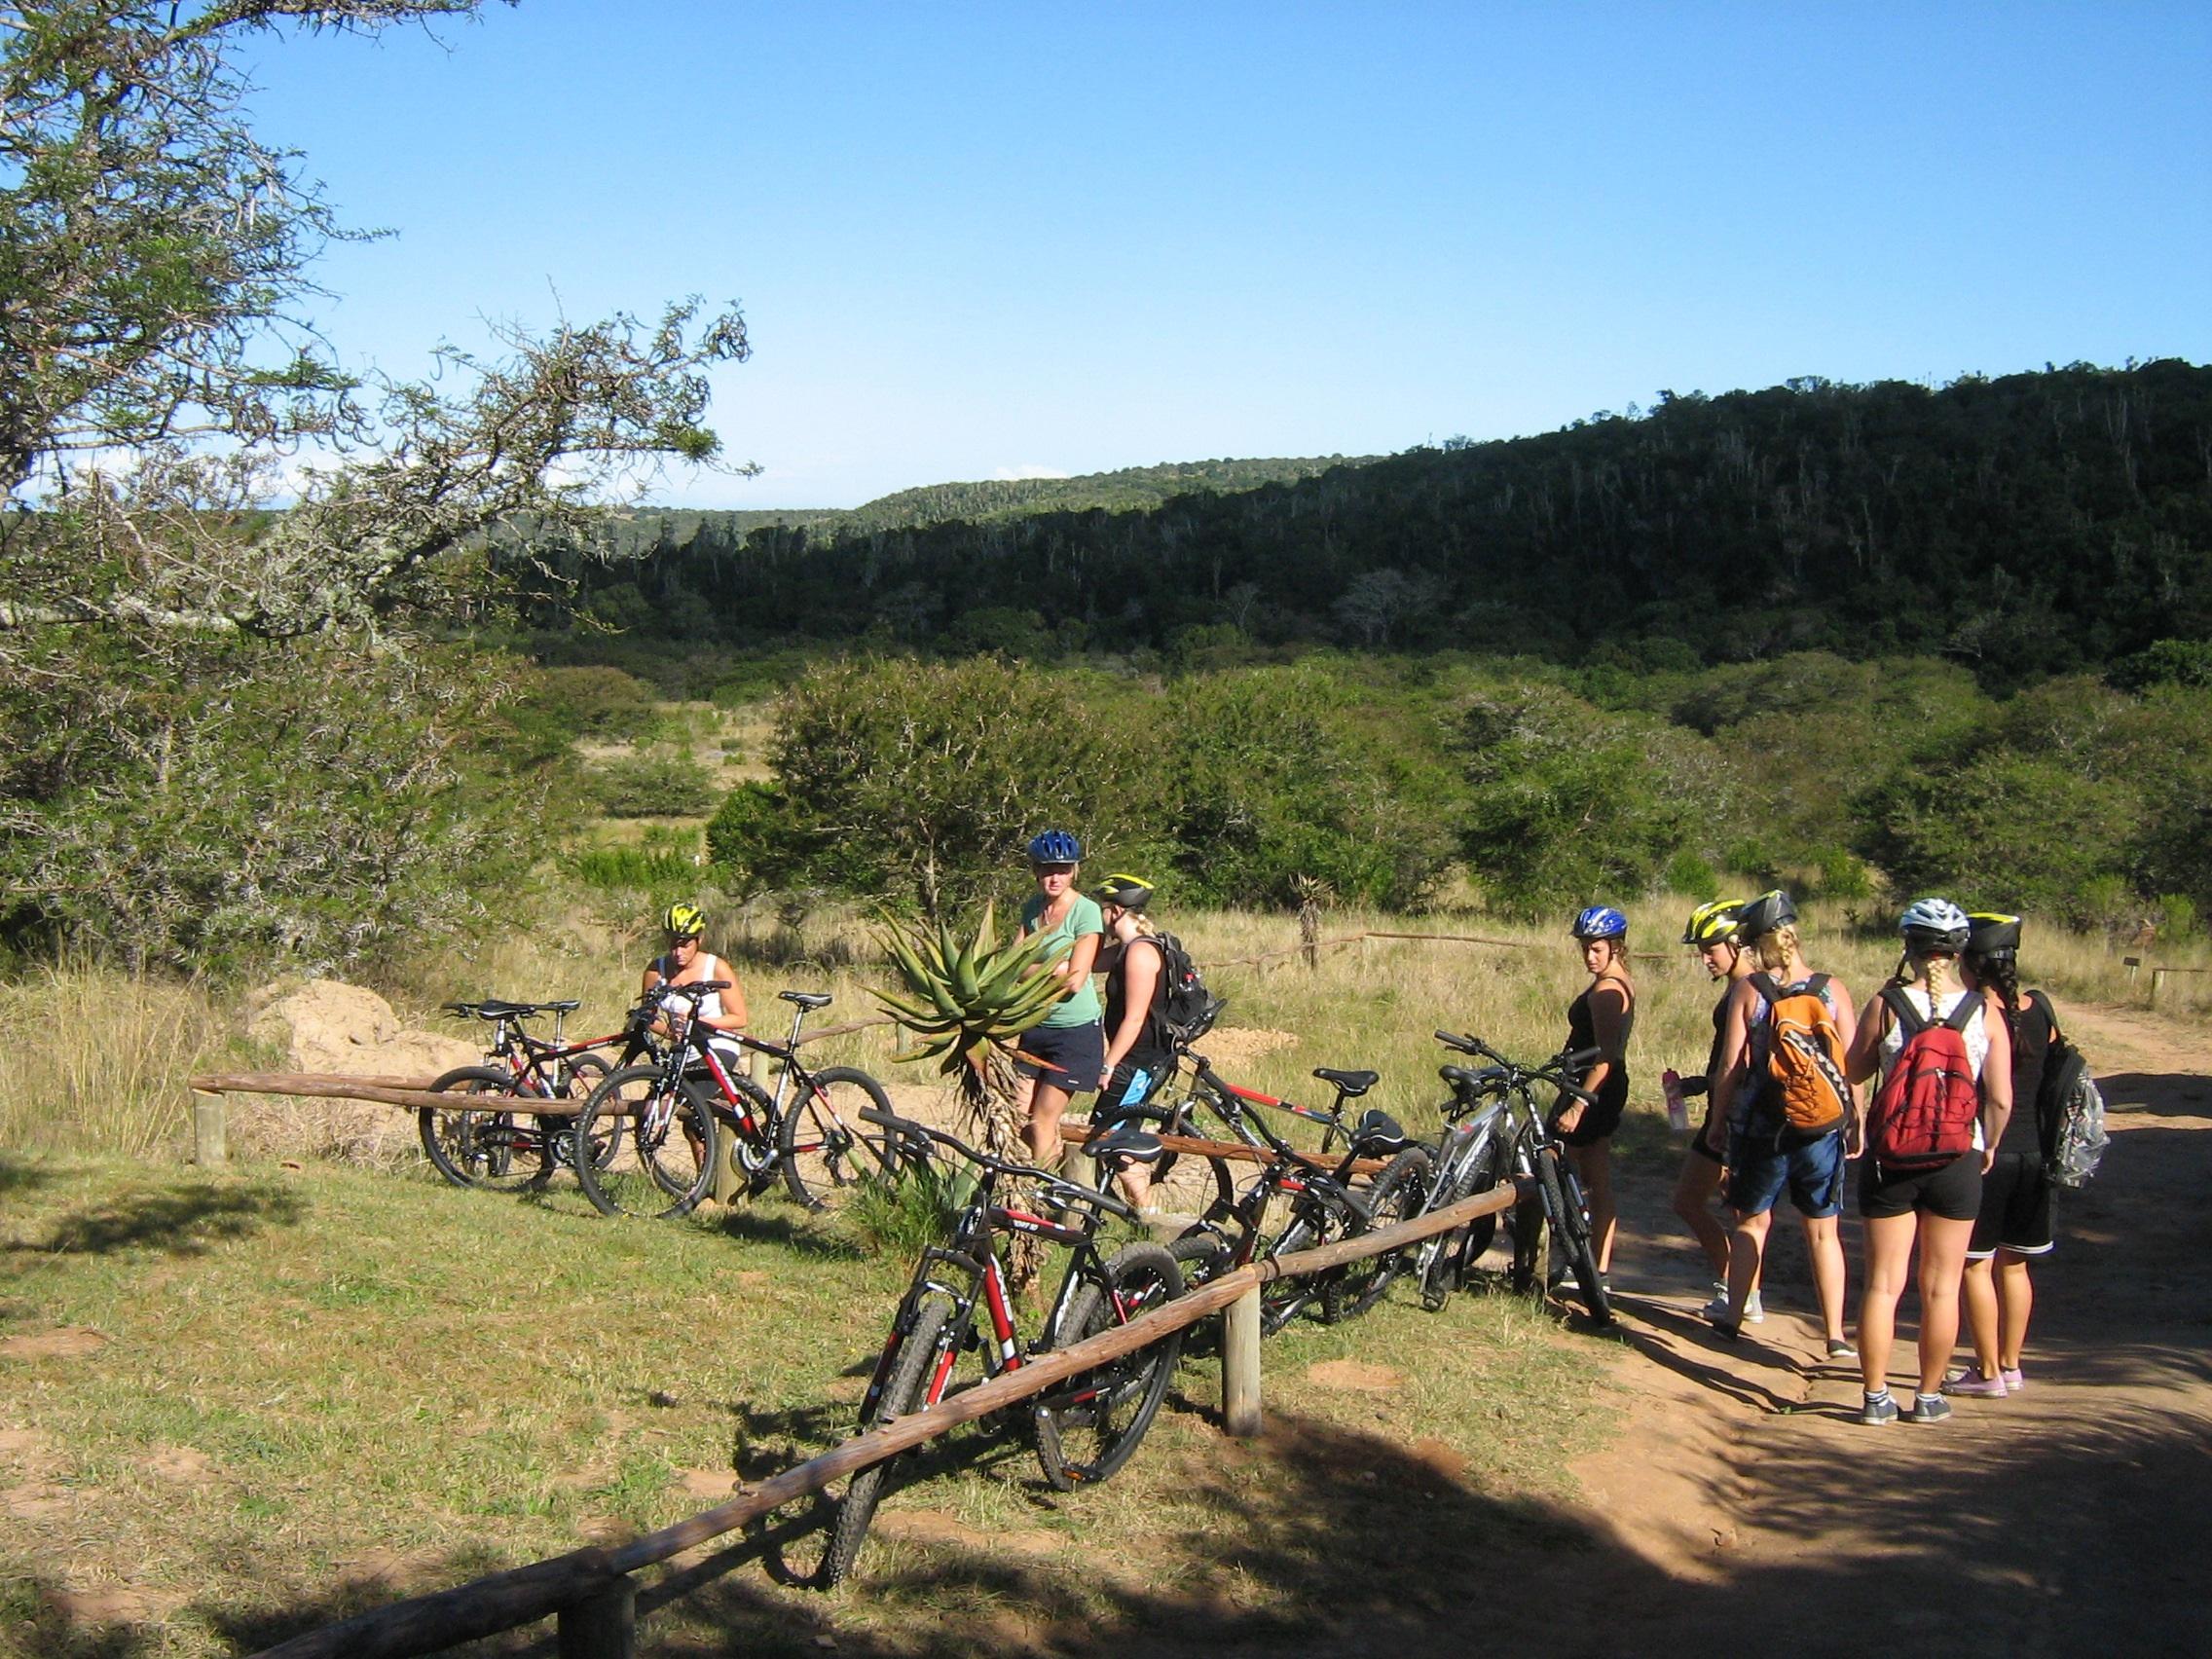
(2009, 1376)
(1926, 1408)
(1878, 1409)
(1717, 1309)
(1970, 1381)
(1838, 1348)
(1723, 1326)
(1754, 1310)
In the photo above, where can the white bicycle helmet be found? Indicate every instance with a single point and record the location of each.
(1932, 925)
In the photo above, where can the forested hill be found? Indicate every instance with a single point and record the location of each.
(2023, 525)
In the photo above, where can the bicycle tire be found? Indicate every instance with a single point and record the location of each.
(484, 1150)
(1282, 1300)
(667, 1168)
(586, 1072)
(1399, 1191)
(902, 1394)
(1445, 1264)
(1202, 1256)
(825, 1148)
(1090, 1426)
(1573, 1224)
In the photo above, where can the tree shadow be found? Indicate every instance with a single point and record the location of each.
(2159, 1095)
(178, 1220)
(21, 1174)
(791, 1228)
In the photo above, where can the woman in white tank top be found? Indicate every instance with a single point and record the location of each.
(687, 963)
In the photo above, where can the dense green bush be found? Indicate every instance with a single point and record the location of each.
(660, 783)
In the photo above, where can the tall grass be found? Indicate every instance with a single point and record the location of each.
(96, 1061)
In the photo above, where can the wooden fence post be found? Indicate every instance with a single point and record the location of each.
(1241, 1365)
(1309, 933)
(2158, 976)
(602, 1627)
(210, 1130)
(730, 1180)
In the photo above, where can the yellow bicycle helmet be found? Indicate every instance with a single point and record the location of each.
(684, 921)
(1714, 923)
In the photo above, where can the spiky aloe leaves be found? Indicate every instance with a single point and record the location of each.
(964, 1000)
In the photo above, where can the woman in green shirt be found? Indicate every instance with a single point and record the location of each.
(1066, 1054)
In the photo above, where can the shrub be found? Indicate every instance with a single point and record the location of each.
(1690, 876)
(661, 783)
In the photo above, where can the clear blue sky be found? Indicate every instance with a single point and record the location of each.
(977, 240)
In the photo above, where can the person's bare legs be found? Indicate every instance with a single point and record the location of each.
(1942, 1256)
(1594, 1168)
(1889, 1259)
(1823, 1242)
(1694, 1188)
(1046, 1105)
(1978, 1289)
(1747, 1251)
(2016, 1300)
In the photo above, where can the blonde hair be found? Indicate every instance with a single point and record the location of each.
(1775, 951)
(1142, 923)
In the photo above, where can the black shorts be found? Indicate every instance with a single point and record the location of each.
(1950, 1191)
(2015, 1209)
(1600, 1118)
(1066, 1058)
(1135, 1082)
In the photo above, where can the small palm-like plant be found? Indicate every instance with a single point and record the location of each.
(964, 1007)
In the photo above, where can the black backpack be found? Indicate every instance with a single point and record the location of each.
(2070, 1110)
(1186, 1010)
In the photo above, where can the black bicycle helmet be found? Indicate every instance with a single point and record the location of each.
(1769, 913)
(1125, 892)
(1991, 933)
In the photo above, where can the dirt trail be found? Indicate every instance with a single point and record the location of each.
(2076, 1514)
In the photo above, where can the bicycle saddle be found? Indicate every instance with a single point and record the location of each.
(491, 1009)
(1379, 1134)
(807, 999)
(1127, 1144)
(1354, 1084)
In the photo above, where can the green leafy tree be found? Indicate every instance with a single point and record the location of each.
(161, 632)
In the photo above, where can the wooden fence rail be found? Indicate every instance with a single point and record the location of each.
(590, 1592)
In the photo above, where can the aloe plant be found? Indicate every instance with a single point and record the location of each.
(965, 1006)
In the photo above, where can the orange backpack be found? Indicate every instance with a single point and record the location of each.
(1803, 1083)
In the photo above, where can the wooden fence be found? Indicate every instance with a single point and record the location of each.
(591, 1592)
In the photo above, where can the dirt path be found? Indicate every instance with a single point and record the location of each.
(2077, 1514)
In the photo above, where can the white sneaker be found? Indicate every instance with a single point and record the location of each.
(1755, 1313)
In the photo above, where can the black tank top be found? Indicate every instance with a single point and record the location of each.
(1154, 1042)
(1582, 1033)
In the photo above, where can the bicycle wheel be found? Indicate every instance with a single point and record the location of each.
(911, 1376)
(1445, 1261)
(1400, 1191)
(668, 1165)
(1570, 1233)
(1090, 1425)
(585, 1073)
(489, 1150)
(1282, 1300)
(827, 1146)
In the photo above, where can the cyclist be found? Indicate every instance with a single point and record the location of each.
(1138, 1055)
(1712, 930)
(1600, 1017)
(1064, 1056)
(684, 962)
(1937, 1205)
(1766, 1154)
(2013, 1222)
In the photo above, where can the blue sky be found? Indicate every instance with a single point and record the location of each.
(975, 241)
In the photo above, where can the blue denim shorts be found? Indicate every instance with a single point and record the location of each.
(1758, 1171)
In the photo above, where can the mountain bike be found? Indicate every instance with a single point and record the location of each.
(1086, 1427)
(503, 1151)
(809, 1131)
(1532, 1147)
(1319, 1204)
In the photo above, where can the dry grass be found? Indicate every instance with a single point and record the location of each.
(96, 1061)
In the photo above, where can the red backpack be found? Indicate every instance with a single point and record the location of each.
(1926, 1111)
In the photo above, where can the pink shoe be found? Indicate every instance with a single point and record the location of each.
(2009, 1376)
(1972, 1382)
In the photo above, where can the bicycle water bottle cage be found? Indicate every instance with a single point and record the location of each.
(1128, 1144)
(1350, 1084)
(1379, 1135)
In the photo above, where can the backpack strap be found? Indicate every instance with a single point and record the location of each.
(1908, 1018)
(1961, 1017)
(2036, 999)
(1769, 991)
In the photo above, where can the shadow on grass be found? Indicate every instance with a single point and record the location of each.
(180, 1219)
(791, 1227)
(21, 1174)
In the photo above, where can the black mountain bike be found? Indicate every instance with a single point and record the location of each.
(1086, 1427)
(1530, 1146)
(504, 1150)
(1299, 1204)
(809, 1131)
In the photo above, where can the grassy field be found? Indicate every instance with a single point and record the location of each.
(241, 1403)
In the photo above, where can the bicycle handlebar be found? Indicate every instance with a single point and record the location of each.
(1066, 1192)
(1554, 1071)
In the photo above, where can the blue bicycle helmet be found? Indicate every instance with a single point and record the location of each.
(1599, 921)
(1055, 846)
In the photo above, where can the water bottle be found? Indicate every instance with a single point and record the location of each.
(1677, 1108)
